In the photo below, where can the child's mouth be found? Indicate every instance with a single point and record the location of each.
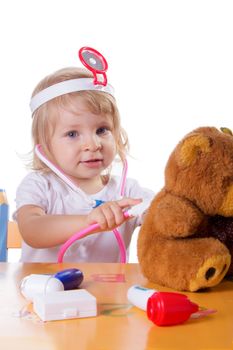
(93, 162)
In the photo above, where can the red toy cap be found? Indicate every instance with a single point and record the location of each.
(166, 309)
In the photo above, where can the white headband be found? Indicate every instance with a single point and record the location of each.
(66, 87)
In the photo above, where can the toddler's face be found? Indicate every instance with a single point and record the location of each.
(82, 143)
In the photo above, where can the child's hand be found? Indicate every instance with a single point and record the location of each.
(110, 214)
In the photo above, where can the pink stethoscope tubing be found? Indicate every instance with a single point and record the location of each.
(93, 227)
(90, 229)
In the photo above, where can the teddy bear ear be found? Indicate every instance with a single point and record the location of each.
(226, 131)
(192, 147)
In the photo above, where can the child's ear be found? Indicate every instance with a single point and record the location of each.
(192, 147)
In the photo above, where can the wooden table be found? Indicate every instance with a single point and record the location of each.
(118, 325)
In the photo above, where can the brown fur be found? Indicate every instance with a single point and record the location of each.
(198, 186)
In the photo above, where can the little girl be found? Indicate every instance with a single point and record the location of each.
(76, 124)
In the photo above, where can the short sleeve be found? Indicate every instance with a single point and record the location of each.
(32, 191)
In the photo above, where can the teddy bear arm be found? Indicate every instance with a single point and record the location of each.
(174, 216)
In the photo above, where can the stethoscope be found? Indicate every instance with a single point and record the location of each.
(93, 203)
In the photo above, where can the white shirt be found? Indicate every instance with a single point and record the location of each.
(55, 197)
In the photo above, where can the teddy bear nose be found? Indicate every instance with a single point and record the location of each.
(210, 273)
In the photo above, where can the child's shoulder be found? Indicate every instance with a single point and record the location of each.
(116, 180)
(131, 185)
(40, 178)
(133, 188)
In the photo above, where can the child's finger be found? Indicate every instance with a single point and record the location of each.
(109, 216)
(118, 213)
(128, 202)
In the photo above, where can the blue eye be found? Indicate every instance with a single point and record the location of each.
(102, 130)
(72, 134)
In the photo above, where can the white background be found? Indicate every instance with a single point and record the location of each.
(171, 63)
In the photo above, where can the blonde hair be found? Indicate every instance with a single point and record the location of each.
(98, 103)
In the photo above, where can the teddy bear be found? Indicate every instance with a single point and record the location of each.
(186, 239)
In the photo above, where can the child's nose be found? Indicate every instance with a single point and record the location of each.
(91, 143)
